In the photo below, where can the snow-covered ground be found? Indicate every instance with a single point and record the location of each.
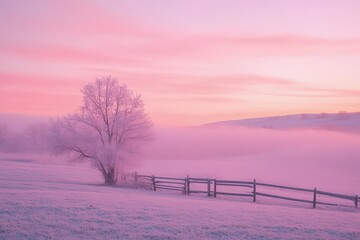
(53, 201)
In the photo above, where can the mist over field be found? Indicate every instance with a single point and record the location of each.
(292, 157)
(304, 157)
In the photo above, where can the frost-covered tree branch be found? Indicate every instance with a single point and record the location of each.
(110, 124)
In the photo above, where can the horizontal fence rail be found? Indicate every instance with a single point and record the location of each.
(284, 198)
(285, 187)
(169, 183)
(238, 188)
(336, 195)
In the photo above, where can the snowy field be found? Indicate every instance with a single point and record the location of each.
(48, 201)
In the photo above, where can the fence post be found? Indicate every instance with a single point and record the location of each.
(357, 201)
(153, 181)
(254, 192)
(314, 200)
(214, 187)
(184, 191)
(136, 178)
(188, 185)
(208, 188)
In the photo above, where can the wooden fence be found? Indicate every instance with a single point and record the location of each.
(184, 185)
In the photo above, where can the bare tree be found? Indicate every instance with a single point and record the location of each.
(110, 125)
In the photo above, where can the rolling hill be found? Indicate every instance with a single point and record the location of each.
(341, 121)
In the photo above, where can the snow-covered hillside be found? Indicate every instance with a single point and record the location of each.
(45, 201)
(330, 121)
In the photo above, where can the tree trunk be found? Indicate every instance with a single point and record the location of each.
(110, 177)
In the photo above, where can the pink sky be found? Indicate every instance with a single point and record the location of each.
(192, 61)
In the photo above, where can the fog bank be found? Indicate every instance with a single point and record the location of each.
(309, 158)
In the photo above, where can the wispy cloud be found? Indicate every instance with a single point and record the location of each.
(38, 102)
(38, 82)
(195, 83)
(196, 49)
(91, 33)
(304, 91)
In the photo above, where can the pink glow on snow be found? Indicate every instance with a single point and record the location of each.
(69, 202)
